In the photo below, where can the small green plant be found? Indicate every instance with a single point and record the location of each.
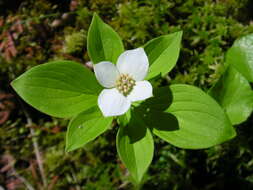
(180, 114)
(233, 90)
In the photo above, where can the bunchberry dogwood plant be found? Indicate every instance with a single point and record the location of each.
(125, 80)
(124, 87)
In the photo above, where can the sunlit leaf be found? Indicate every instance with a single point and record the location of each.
(86, 127)
(235, 95)
(60, 88)
(163, 53)
(135, 147)
(104, 44)
(240, 56)
(193, 119)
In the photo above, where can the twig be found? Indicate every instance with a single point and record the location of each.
(9, 159)
(35, 145)
(25, 182)
(53, 182)
(36, 150)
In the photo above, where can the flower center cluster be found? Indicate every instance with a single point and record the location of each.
(125, 84)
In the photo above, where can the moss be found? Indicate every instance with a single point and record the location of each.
(210, 27)
(75, 42)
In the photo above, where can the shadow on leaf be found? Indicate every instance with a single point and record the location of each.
(161, 100)
(162, 121)
(136, 128)
(152, 114)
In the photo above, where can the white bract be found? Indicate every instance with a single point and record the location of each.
(124, 82)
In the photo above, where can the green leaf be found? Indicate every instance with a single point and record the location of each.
(241, 57)
(163, 53)
(234, 94)
(85, 127)
(135, 147)
(104, 44)
(194, 120)
(59, 88)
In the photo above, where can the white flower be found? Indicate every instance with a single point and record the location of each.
(124, 82)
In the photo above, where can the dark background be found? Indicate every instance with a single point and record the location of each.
(34, 32)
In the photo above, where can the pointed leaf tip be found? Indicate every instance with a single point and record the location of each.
(103, 43)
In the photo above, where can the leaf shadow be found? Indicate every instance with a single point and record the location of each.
(152, 114)
(135, 130)
(160, 101)
(162, 121)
